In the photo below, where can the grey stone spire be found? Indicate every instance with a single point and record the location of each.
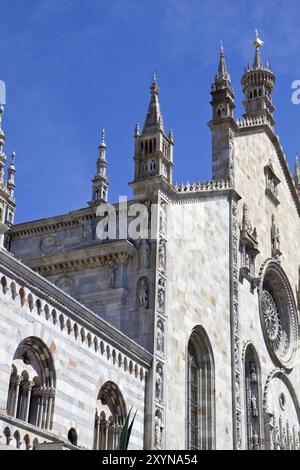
(7, 189)
(154, 118)
(2, 136)
(101, 162)
(100, 183)
(153, 148)
(222, 78)
(2, 154)
(221, 91)
(11, 175)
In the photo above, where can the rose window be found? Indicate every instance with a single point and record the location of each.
(278, 314)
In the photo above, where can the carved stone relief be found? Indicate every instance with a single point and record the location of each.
(143, 293)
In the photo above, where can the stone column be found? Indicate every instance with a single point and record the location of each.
(15, 397)
(43, 407)
(37, 392)
(106, 432)
(97, 426)
(28, 389)
(51, 395)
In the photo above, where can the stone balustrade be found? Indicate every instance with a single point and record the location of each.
(18, 435)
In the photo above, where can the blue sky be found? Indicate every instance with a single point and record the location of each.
(74, 66)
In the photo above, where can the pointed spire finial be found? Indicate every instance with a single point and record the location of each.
(13, 157)
(154, 117)
(2, 136)
(154, 86)
(257, 44)
(222, 79)
(102, 144)
(137, 130)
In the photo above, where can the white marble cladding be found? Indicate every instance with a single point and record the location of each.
(198, 293)
(87, 352)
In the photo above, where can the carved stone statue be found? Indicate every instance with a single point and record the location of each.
(161, 297)
(162, 255)
(246, 224)
(271, 429)
(162, 219)
(144, 254)
(158, 427)
(253, 374)
(112, 267)
(143, 294)
(255, 440)
(284, 442)
(87, 233)
(277, 438)
(159, 382)
(275, 238)
(254, 409)
(160, 337)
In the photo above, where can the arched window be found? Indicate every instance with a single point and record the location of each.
(152, 165)
(109, 418)
(150, 146)
(253, 399)
(72, 436)
(32, 384)
(201, 392)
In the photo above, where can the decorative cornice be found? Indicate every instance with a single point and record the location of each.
(84, 258)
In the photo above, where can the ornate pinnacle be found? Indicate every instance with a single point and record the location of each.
(257, 44)
(2, 137)
(103, 145)
(12, 161)
(222, 79)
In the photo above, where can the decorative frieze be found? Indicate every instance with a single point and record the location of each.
(235, 335)
(160, 328)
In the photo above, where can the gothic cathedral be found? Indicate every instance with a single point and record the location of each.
(195, 327)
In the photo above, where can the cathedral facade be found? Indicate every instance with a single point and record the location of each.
(194, 323)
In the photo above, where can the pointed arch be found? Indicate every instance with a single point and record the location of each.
(201, 428)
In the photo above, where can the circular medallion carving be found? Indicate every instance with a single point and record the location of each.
(278, 314)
